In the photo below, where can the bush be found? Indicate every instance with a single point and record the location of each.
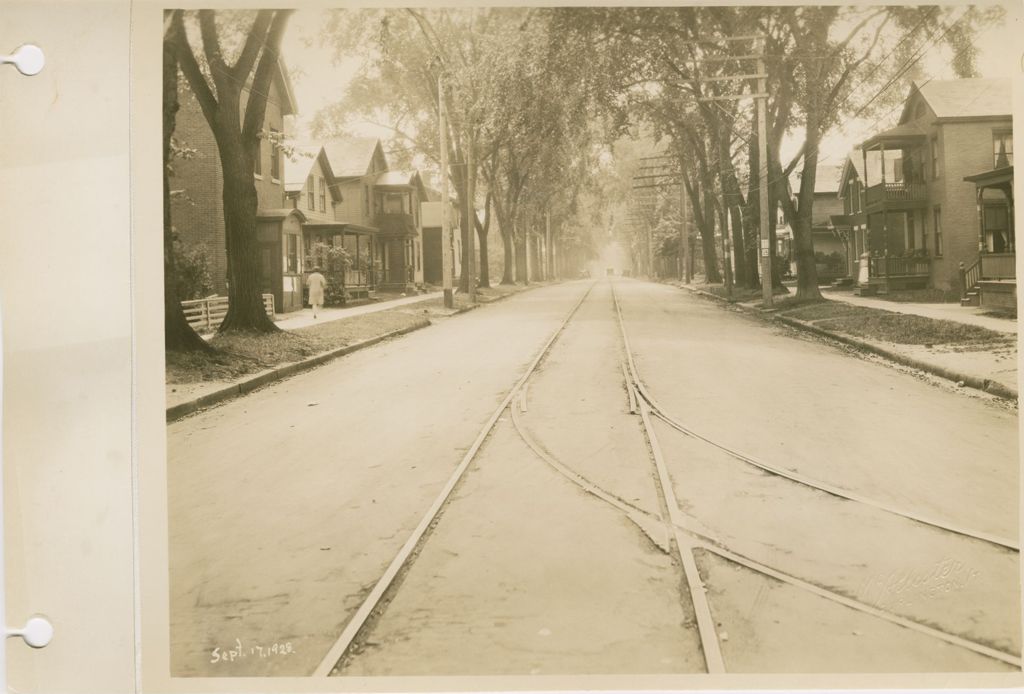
(192, 276)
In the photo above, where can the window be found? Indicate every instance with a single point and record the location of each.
(311, 193)
(275, 156)
(292, 260)
(997, 228)
(323, 194)
(937, 229)
(936, 166)
(366, 200)
(257, 160)
(1002, 142)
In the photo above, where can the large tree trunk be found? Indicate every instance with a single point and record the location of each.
(507, 247)
(520, 246)
(178, 334)
(245, 296)
(485, 270)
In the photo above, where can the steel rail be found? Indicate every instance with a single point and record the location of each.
(716, 546)
(686, 535)
(362, 614)
(660, 412)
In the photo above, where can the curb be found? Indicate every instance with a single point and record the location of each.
(276, 374)
(983, 384)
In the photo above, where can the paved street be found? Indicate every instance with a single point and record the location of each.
(557, 551)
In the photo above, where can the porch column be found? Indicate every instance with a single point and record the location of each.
(980, 203)
(1013, 232)
(358, 260)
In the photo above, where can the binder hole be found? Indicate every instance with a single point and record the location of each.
(38, 632)
(28, 58)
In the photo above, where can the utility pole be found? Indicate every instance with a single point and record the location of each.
(762, 148)
(684, 236)
(761, 103)
(549, 268)
(471, 203)
(446, 231)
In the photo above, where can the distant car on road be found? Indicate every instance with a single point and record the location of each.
(609, 271)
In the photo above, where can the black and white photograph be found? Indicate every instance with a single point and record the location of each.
(585, 341)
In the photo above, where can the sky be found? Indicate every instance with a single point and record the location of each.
(319, 82)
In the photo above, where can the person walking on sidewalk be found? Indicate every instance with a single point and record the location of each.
(316, 284)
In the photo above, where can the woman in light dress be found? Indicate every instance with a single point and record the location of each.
(316, 284)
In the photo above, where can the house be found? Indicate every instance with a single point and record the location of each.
(925, 191)
(198, 212)
(431, 222)
(381, 208)
(312, 189)
(831, 243)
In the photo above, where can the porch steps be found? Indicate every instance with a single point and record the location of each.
(972, 297)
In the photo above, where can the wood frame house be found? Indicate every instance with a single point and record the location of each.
(381, 209)
(920, 212)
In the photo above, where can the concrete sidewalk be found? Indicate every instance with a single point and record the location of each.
(304, 318)
(968, 315)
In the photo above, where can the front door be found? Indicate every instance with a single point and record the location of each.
(270, 272)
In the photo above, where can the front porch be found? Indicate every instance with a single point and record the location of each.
(357, 278)
(398, 249)
(895, 253)
(991, 280)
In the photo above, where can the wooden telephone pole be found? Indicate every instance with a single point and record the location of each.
(760, 98)
(446, 231)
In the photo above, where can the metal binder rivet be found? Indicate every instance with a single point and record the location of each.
(37, 632)
(29, 59)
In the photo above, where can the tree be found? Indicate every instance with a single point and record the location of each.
(178, 334)
(233, 98)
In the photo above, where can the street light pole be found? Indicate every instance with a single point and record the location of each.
(446, 232)
(762, 146)
(471, 235)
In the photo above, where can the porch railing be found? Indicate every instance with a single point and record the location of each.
(206, 315)
(901, 191)
(997, 266)
(900, 267)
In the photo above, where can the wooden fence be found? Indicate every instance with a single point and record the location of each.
(205, 315)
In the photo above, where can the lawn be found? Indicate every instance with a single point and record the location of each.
(898, 328)
(238, 354)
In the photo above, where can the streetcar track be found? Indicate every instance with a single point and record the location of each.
(689, 538)
(412, 545)
(645, 519)
(660, 412)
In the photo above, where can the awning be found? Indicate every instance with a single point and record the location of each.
(906, 135)
(994, 178)
(332, 228)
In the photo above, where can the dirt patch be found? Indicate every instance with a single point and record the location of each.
(237, 354)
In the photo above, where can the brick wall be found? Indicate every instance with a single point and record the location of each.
(198, 215)
(966, 149)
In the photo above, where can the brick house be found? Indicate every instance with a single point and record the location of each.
(911, 204)
(197, 213)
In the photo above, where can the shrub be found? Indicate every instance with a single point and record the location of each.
(192, 275)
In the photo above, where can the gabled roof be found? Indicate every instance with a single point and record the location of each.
(966, 98)
(826, 180)
(352, 156)
(284, 81)
(852, 166)
(306, 156)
